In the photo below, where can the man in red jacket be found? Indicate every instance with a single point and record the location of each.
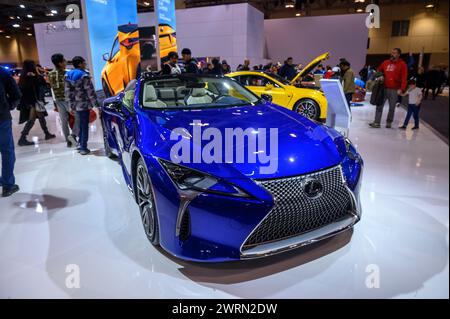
(395, 82)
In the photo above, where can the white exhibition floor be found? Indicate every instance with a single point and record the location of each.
(75, 210)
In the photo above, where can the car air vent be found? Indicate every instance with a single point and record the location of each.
(185, 226)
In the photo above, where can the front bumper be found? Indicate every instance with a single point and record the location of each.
(219, 226)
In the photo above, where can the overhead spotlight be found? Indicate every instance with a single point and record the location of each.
(54, 11)
(28, 28)
(29, 16)
(1, 31)
(289, 4)
(298, 14)
(359, 10)
(429, 6)
(30, 34)
(22, 6)
(8, 37)
(16, 25)
(49, 14)
(146, 3)
(360, 1)
(11, 17)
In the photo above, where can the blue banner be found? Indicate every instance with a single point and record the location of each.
(167, 27)
(103, 17)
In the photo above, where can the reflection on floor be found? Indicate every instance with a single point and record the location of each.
(74, 214)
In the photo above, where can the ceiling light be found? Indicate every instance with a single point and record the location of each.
(429, 6)
(8, 37)
(146, 3)
(360, 1)
(1, 31)
(30, 34)
(359, 10)
(11, 17)
(22, 6)
(289, 4)
(54, 11)
(298, 14)
(16, 25)
(28, 28)
(29, 16)
(49, 14)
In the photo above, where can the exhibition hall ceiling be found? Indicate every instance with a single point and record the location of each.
(18, 17)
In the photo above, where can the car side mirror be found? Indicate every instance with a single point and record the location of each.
(114, 106)
(269, 86)
(266, 97)
(106, 57)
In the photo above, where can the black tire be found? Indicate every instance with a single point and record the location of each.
(308, 108)
(146, 202)
(106, 89)
(108, 151)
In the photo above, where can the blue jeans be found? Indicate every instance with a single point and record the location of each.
(8, 156)
(413, 110)
(84, 129)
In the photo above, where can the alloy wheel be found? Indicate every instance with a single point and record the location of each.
(308, 109)
(146, 204)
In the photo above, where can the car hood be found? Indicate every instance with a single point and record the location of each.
(307, 69)
(303, 146)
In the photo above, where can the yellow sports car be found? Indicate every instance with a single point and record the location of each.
(167, 40)
(309, 102)
(123, 61)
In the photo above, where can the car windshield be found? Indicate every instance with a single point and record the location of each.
(184, 92)
(278, 78)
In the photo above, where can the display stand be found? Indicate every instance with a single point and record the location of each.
(338, 114)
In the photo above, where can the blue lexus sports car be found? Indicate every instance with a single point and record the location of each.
(220, 174)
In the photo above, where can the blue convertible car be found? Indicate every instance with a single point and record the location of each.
(220, 174)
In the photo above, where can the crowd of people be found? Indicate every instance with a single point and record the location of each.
(74, 95)
(400, 82)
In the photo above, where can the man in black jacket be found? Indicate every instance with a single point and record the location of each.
(9, 98)
(190, 65)
(288, 71)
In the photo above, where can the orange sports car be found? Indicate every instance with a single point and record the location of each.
(122, 61)
(167, 40)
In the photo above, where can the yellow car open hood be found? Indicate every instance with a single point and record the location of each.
(307, 69)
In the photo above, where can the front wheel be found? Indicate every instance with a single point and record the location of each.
(146, 202)
(308, 108)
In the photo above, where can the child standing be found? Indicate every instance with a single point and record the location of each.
(414, 100)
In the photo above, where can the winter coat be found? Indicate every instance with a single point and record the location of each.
(377, 97)
(348, 81)
(9, 94)
(30, 87)
(56, 79)
(79, 90)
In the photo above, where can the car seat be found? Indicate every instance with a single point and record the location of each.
(199, 96)
(151, 98)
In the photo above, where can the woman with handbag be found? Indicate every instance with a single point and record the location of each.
(31, 106)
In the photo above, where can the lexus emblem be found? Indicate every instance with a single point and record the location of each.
(312, 188)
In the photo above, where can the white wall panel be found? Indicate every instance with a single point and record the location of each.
(345, 36)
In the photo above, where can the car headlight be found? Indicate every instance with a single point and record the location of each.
(187, 179)
(351, 150)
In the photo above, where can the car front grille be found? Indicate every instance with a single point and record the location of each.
(294, 213)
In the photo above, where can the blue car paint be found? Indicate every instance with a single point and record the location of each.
(219, 223)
